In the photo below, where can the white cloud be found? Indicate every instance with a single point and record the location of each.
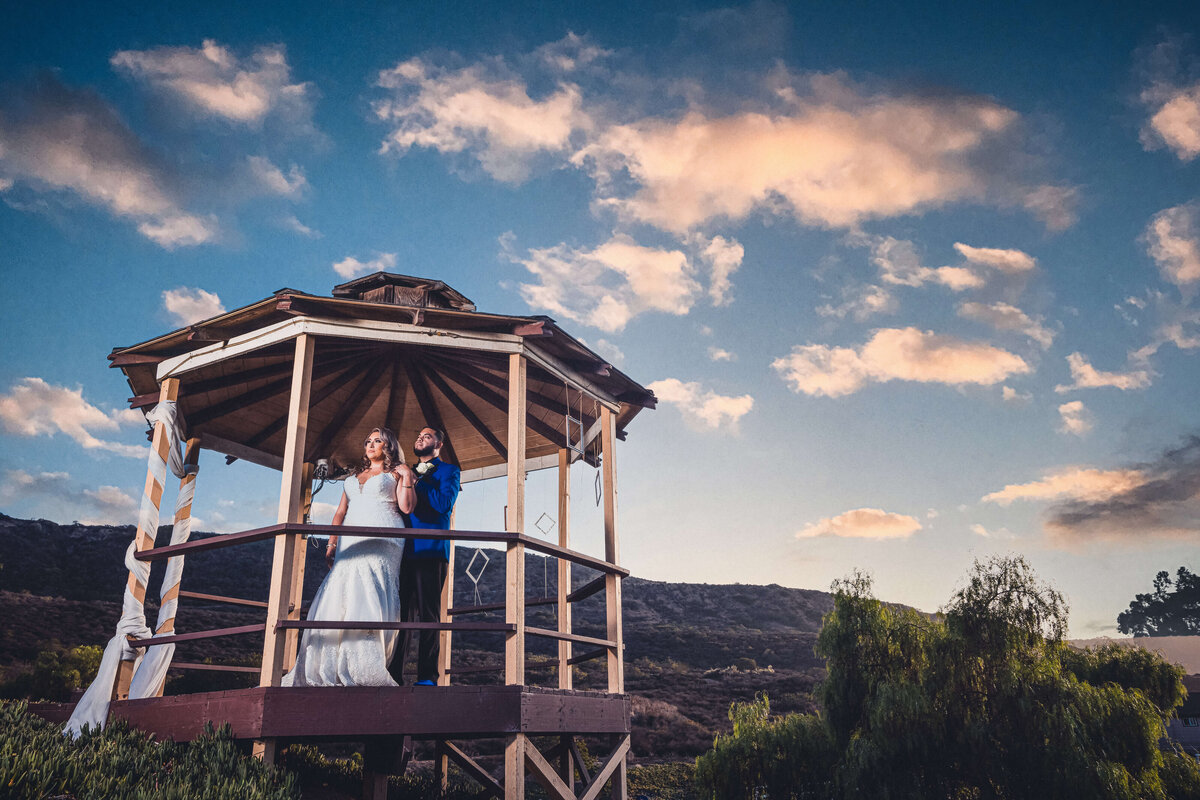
(1011, 395)
(214, 82)
(273, 180)
(1173, 241)
(1014, 261)
(1175, 120)
(5, 183)
(1088, 377)
(1005, 317)
(723, 257)
(59, 138)
(1002, 533)
(293, 224)
(863, 523)
(705, 408)
(721, 354)
(1076, 419)
(1077, 483)
(610, 351)
(106, 505)
(191, 305)
(322, 513)
(453, 111)
(861, 303)
(829, 154)
(36, 408)
(350, 267)
(900, 265)
(896, 354)
(609, 285)
(818, 148)
(1055, 206)
(180, 230)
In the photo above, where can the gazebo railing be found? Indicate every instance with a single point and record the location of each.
(601, 647)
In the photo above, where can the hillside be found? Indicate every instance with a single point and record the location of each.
(691, 649)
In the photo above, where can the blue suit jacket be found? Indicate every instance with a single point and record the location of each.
(436, 492)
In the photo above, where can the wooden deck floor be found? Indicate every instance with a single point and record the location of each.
(422, 712)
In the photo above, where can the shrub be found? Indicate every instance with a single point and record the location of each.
(38, 761)
(56, 673)
(986, 702)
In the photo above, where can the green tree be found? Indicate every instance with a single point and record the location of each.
(56, 673)
(985, 702)
(1165, 612)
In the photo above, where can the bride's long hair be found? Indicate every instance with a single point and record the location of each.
(393, 453)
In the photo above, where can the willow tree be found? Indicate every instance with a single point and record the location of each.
(985, 702)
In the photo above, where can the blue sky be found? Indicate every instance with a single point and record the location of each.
(914, 283)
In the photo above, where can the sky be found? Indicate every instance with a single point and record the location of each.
(915, 283)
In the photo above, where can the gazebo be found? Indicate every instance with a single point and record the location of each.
(296, 379)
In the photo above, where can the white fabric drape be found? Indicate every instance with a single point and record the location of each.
(150, 664)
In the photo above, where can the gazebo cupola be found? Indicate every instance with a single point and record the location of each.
(403, 290)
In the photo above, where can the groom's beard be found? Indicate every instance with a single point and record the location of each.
(421, 452)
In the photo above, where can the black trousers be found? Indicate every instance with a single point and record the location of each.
(421, 582)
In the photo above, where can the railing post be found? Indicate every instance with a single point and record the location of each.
(445, 638)
(283, 571)
(612, 583)
(160, 445)
(565, 676)
(191, 457)
(514, 570)
(514, 605)
(299, 556)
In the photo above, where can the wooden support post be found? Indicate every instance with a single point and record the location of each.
(191, 457)
(282, 564)
(445, 639)
(160, 445)
(292, 639)
(612, 583)
(442, 762)
(514, 754)
(566, 766)
(514, 605)
(612, 587)
(565, 676)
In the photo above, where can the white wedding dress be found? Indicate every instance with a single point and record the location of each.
(363, 586)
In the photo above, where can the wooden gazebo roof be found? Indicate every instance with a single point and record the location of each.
(391, 350)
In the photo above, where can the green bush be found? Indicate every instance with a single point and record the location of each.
(56, 673)
(675, 781)
(38, 761)
(985, 703)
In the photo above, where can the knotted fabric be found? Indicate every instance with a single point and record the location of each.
(150, 664)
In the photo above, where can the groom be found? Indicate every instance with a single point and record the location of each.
(423, 569)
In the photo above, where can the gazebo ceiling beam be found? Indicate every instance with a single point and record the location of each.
(397, 396)
(428, 408)
(498, 401)
(247, 398)
(499, 382)
(358, 395)
(284, 367)
(470, 416)
(319, 396)
(485, 377)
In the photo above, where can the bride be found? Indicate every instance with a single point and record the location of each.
(362, 584)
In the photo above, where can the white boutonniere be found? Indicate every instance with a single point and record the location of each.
(424, 467)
